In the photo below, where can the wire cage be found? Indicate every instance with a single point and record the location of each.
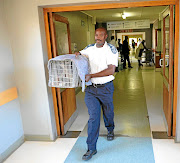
(63, 74)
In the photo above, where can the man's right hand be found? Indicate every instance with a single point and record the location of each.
(77, 53)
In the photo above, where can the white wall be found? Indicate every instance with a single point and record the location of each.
(28, 43)
(30, 61)
(11, 129)
(24, 29)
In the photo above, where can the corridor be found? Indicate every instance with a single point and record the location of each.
(138, 119)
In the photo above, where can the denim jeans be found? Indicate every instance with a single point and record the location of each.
(95, 98)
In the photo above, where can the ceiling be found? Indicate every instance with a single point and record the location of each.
(137, 13)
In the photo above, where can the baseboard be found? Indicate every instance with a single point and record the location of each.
(165, 122)
(69, 122)
(37, 138)
(11, 149)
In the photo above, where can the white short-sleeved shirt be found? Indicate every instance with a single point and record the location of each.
(99, 59)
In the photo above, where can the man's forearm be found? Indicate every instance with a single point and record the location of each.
(106, 72)
(109, 71)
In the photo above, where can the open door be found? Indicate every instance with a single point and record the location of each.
(168, 37)
(157, 48)
(61, 44)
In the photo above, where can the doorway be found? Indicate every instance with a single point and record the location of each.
(121, 5)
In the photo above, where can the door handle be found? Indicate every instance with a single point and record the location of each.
(167, 62)
(160, 62)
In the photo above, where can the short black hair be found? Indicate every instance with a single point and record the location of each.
(102, 28)
(112, 37)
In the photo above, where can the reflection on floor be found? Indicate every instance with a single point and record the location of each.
(132, 87)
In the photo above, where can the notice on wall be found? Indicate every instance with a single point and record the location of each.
(134, 24)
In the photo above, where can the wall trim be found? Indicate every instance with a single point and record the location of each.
(69, 122)
(11, 149)
(105, 5)
(8, 95)
(28, 137)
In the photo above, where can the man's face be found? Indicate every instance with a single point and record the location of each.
(100, 37)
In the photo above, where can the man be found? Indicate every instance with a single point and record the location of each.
(103, 58)
(120, 49)
(125, 52)
(139, 42)
(133, 45)
(113, 42)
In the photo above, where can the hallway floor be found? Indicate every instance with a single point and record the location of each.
(138, 114)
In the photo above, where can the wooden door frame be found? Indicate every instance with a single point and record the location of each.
(63, 20)
(156, 38)
(57, 99)
(168, 79)
(114, 5)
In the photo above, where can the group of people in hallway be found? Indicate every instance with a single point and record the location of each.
(103, 59)
(124, 50)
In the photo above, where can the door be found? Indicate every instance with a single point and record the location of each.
(61, 44)
(168, 36)
(157, 47)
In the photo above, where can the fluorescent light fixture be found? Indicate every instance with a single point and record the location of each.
(128, 14)
(117, 15)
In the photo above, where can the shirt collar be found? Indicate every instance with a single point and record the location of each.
(103, 45)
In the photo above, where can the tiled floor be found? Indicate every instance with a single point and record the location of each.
(42, 152)
(165, 150)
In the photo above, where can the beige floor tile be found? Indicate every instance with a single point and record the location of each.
(42, 152)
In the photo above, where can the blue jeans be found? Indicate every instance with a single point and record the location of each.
(94, 99)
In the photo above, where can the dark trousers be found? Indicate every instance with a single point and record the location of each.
(126, 57)
(94, 99)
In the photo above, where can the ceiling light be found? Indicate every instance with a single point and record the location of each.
(124, 16)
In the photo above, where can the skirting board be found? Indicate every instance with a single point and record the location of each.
(165, 122)
(70, 121)
(37, 138)
(11, 149)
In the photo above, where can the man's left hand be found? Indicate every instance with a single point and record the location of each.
(87, 77)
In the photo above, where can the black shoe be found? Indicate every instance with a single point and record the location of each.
(124, 68)
(130, 67)
(88, 155)
(110, 135)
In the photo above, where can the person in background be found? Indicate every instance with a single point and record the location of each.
(138, 43)
(139, 52)
(125, 52)
(133, 45)
(120, 47)
(103, 58)
(113, 42)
